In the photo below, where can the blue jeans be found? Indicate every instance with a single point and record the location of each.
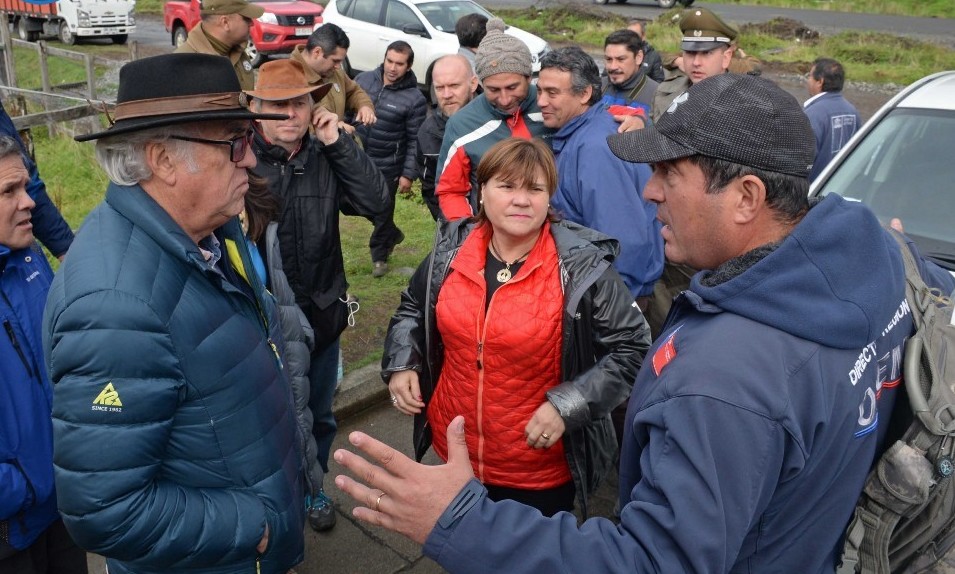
(323, 378)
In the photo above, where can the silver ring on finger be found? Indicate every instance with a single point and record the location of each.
(394, 400)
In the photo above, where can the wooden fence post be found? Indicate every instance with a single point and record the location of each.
(41, 55)
(90, 77)
(8, 65)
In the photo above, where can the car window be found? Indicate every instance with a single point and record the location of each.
(367, 10)
(344, 7)
(904, 168)
(443, 15)
(398, 16)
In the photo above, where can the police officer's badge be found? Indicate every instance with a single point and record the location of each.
(337, 88)
(247, 65)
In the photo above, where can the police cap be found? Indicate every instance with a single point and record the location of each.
(703, 30)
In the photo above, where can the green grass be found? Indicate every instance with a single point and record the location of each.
(926, 8)
(362, 344)
(867, 56)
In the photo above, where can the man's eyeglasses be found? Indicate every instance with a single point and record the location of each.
(238, 146)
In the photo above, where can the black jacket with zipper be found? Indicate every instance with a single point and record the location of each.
(392, 140)
(310, 186)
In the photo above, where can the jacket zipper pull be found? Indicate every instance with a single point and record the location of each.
(16, 347)
(258, 565)
(480, 350)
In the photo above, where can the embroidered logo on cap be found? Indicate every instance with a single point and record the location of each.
(676, 102)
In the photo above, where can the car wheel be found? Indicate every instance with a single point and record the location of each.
(254, 56)
(621, 1)
(686, 3)
(666, 3)
(66, 36)
(23, 31)
(179, 36)
(120, 39)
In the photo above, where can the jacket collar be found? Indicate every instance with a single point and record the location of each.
(133, 203)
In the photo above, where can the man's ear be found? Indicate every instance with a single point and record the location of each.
(585, 96)
(750, 198)
(317, 52)
(161, 162)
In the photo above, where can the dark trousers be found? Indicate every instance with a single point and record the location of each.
(549, 501)
(323, 378)
(385, 235)
(54, 552)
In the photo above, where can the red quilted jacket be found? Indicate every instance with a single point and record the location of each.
(499, 364)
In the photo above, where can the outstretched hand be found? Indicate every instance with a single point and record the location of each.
(403, 495)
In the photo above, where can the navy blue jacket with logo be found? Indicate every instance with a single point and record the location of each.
(752, 424)
(173, 417)
(27, 498)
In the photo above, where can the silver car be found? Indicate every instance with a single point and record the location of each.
(902, 164)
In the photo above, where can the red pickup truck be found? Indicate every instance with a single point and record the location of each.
(285, 24)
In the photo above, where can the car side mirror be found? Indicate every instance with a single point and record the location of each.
(415, 30)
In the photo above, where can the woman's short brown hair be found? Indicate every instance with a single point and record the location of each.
(517, 161)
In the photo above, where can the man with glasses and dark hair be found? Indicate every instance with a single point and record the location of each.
(162, 344)
(224, 31)
(311, 175)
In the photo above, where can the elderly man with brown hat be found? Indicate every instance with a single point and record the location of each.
(507, 108)
(311, 175)
(224, 31)
(173, 423)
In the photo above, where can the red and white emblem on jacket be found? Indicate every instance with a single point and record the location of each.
(665, 353)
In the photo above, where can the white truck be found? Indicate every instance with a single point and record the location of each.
(70, 20)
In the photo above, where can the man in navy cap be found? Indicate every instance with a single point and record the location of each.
(758, 413)
(173, 418)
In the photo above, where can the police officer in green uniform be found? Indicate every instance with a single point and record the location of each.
(224, 31)
(708, 45)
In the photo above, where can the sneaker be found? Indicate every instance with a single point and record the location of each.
(379, 268)
(321, 513)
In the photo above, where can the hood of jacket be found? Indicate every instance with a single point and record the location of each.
(821, 283)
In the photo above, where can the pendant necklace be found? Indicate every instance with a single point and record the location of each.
(504, 275)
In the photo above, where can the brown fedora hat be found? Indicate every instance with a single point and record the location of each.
(176, 89)
(284, 80)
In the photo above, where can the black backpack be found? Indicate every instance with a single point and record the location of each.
(905, 518)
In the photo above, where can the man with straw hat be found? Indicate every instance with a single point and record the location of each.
(173, 418)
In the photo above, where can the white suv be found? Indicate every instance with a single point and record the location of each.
(901, 165)
(428, 25)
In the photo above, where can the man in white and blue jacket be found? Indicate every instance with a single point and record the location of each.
(834, 120)
(759, 410)
(32, 536)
